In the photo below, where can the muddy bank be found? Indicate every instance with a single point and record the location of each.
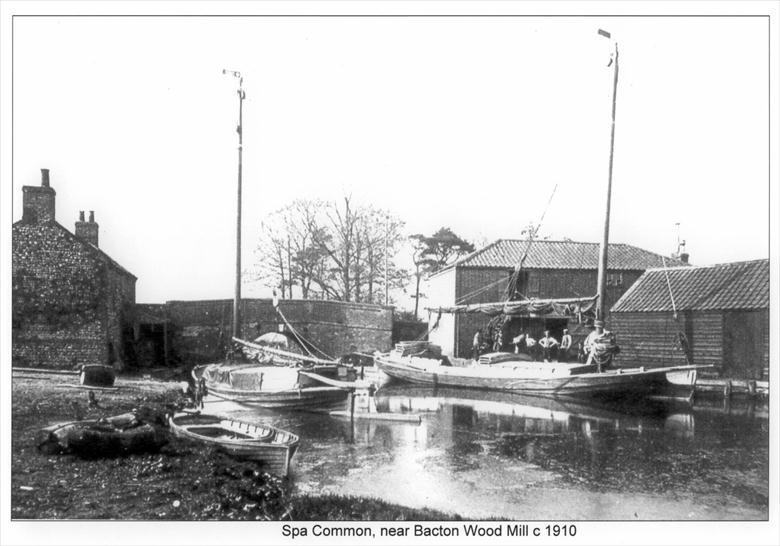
(183, 481)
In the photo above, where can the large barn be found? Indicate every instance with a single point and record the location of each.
(717, 314)
(550, 269)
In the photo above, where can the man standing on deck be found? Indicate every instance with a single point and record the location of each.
(519, 342)
(548, 344)
(563, 352)
(475, 345)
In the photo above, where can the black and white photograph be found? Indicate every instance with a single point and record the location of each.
(389, 273)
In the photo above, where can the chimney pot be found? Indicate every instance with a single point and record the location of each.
(81, 216)
(92, 217)
(45, 178)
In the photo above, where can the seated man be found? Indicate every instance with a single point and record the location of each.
(600, 345)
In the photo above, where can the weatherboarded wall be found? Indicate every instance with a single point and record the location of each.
(736, 343)
(200, 330)
(485, 285)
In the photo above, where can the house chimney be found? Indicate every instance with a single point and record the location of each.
(38, 201)
(87, 231)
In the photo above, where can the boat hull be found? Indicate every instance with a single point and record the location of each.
(554, 381)
(272, 447)
(299, 399)
(268, 387)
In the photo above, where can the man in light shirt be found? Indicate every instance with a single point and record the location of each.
(548, 344)
(565, 349)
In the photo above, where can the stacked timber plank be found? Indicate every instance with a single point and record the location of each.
(418, 348)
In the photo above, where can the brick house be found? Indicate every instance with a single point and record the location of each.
(550, 269)
(721, 310)
(70, 299)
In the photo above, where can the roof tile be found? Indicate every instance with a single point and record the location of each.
(543, 254)
(738, 285)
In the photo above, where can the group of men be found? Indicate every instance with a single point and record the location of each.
(547, 348)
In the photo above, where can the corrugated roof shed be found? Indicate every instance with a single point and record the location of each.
(738, 285)
(507, 253)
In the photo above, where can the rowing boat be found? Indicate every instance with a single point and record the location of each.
(106, 437)
(271, 446)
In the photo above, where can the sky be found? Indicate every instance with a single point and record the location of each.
(468, 123)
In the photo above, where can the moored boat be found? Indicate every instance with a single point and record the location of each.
(271, 446)
(524, 376)
(106, 437)
(272, 387)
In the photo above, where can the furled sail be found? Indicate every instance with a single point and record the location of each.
(563, 307)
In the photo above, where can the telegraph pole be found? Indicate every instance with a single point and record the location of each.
(601, 310)
(387, 286)
(240, 130)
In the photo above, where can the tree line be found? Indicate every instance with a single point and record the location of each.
(345, 251)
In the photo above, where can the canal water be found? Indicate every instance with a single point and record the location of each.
(483, 454)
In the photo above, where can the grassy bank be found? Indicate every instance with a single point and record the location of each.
(183, 481)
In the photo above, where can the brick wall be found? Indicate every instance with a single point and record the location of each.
(200, 330)
(65, 300)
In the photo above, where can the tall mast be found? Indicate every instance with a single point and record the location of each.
(240, 130)
(601, 310)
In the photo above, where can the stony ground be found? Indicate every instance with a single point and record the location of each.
(182, 481)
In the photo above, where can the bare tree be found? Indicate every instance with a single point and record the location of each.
(333, 249)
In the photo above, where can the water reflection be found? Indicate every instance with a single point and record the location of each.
(488, 454)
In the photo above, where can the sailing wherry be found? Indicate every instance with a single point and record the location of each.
(274, 382)
(424, 364)
(531, 377)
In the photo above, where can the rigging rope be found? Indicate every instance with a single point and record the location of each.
(478, 291)
(511, 288)
(279, 352)
(301, 339)
(680, 338)
(669, 285)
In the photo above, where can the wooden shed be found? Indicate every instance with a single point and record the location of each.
(716, 314)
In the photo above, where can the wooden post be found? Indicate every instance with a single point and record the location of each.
(165, 342)
(727, 388)
(751, 385)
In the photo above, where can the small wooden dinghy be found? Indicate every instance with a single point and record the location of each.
(263, 443)
(107, 437)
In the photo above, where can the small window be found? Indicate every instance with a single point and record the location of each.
(614, 279)
(533, 285)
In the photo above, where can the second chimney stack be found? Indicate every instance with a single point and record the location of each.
(87, 231)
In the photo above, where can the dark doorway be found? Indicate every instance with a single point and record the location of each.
(151, 345)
